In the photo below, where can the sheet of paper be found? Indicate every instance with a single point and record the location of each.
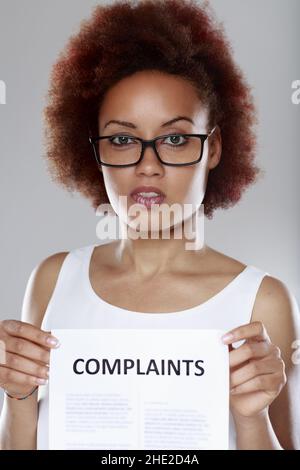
(139, 389)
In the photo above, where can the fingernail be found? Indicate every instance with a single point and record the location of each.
(227, 338)
(53, 341)
(41, 381)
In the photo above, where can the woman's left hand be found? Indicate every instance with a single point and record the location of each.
(257, 371)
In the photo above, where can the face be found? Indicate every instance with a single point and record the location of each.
(146, 101)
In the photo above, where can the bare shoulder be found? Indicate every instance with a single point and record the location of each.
(223, 263)
(273, 293)
(277, 308)
(274, 301)
(40, 287)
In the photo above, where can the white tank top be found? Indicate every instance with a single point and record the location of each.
(74, 304)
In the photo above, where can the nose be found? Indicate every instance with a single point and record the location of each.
(150, 163)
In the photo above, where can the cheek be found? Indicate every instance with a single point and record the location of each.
(115, 185)
(116, 181)
(189, 187)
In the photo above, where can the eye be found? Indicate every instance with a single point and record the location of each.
(174, 140)
(123, 140)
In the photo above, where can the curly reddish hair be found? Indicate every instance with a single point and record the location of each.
(174, 36)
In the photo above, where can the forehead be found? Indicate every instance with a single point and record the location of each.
(152, 96)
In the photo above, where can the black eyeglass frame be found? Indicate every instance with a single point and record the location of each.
(145, 144)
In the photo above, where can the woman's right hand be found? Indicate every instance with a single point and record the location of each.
(24, 356)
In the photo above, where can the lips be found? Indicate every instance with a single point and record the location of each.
(148, 195)
(148, 189)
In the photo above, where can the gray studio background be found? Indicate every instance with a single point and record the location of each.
(38, 218)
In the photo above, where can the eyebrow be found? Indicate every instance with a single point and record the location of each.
(132, 126)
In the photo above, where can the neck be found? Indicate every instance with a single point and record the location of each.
(158, 255)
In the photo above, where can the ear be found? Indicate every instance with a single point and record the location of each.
(215, 148)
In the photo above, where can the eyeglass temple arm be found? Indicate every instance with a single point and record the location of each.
(212, 131)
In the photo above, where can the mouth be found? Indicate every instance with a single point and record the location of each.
(148, 196)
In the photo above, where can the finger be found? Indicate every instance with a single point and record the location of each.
(251, 370)
(29, 350)
(254, 330)
(30, 332)
(21, 364)
(248, 351)
(267, 382)
(10, 378)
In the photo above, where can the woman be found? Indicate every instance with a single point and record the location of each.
(137, 71)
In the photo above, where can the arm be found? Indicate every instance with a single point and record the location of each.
(18, 423)
(264, 404)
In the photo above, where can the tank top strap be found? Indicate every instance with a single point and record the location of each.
(243, 298)
(72, 268)
(67, 290)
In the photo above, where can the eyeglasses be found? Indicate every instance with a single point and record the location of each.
(121, 150)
